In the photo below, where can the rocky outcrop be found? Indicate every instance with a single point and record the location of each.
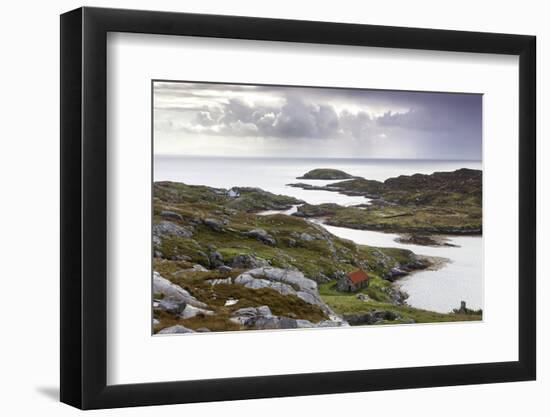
(190, 311)
(173, 293)
(245, 261)
(165, 228)
(261, 318)
(373, 317)
(214, 224)
(397, 296)
(252, 282)
(262, 236)
(286, 282)
(216, 259)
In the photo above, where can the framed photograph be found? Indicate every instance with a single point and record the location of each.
(258, 208)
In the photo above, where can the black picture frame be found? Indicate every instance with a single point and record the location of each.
(84, 207)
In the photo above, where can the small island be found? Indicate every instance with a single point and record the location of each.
(326, 174)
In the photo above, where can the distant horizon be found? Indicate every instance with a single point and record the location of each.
(161, 155)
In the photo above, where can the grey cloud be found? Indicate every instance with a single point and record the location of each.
(441, 124)
(295, 119)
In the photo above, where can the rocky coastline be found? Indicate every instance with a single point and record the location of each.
(220, 266)
(444, 203)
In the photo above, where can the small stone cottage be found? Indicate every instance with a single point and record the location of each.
(353, 281)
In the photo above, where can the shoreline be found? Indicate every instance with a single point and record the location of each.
(218, 236)
(436, 263)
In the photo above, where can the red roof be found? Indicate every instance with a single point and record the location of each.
(358, 276)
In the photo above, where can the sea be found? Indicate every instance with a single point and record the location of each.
(459, 279)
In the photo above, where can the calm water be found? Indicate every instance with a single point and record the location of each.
(441, 290)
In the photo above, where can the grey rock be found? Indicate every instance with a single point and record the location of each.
(216, 259)
(244, 261)
(224, 269)
(286, 282)
(371, 318)
(307, 297)
(261, 235)
(363, 297)
(264, 311)
(171, 215)
(307, 237)
(173, 292)
(395, 273)
(218, 281)
(264, 323)
(156, 322)
(398, 272)
(231, 302)
(157, 241)
(203, 330)
(304, 324)
(213, 224)
(171, 306)
(250, 281)
(177, 329)
(398, 297)
(199, 268)
(165, 228)
(248, 316)
(287, 276)
(194, 268)
(179, 258)
(333, 323)
(191, 311)
(253, 311)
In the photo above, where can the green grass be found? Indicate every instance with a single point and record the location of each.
(347, 303)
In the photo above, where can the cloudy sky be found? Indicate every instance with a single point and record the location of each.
(242, 120)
